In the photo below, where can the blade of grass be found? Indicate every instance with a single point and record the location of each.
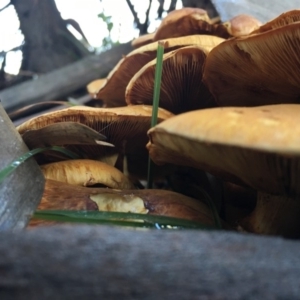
(155, 105)
(210, 203)
(104, 217)
(64, 218)
(18, 161)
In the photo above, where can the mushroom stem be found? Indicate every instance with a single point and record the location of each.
(274, 215)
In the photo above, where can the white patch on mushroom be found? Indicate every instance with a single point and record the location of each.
(120, 203)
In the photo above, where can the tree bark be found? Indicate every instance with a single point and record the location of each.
(99, 262)
(21, 191)
(48, 43)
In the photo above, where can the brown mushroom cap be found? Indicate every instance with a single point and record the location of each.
(125, 127)
(256, 145)
(181, 84)
(242, 25)
(155, 202)
(86, 172)
(113, 90)
(120, 124)
(181, 22)
(94, 86)
(259, 69)
(63, 133)
(143, 40)
(188, 21)
(284, 19)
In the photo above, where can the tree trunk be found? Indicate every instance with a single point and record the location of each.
(48, 43)
(204, 4)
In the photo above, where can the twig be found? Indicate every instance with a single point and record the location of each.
(6, 6)
(160, 9)
(141, 26)
(135, 16)
(146, 23)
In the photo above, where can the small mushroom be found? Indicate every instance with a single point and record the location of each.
(258, 147)
(94, 86)
(86, 172)
(112, 92)
(242, 25)
(259, 69)
(181, 84)
(181, 22)
(153, 202)
(142, 40)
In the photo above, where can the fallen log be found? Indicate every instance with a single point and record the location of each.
(60, 83)
(21, 191)
(97, 262)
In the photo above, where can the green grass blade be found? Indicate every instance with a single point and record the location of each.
(157, 82)
(207, 199)
(21, 159)
(71, 219)
(155, 105)
(114, 218)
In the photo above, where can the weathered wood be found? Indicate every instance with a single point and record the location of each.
(61, 82)
(94, 262)
(262, 10)
(48, 44)
(21, 191)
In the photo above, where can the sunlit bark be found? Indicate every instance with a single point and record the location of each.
(48, 43)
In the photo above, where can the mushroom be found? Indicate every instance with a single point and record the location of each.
(86, 172)
(61, 134)
(143, 40)
(117, 124)
(242, 25)
(124, 127)
(153, 202)
(181, 84)
(256, 146)
(259, 69)
(188, 21)
(113, 90)
(284, 19)
(94, 86)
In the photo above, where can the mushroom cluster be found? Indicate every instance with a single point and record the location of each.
(251, 139)
(109, 142)
(187, 27)
(226, 118)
